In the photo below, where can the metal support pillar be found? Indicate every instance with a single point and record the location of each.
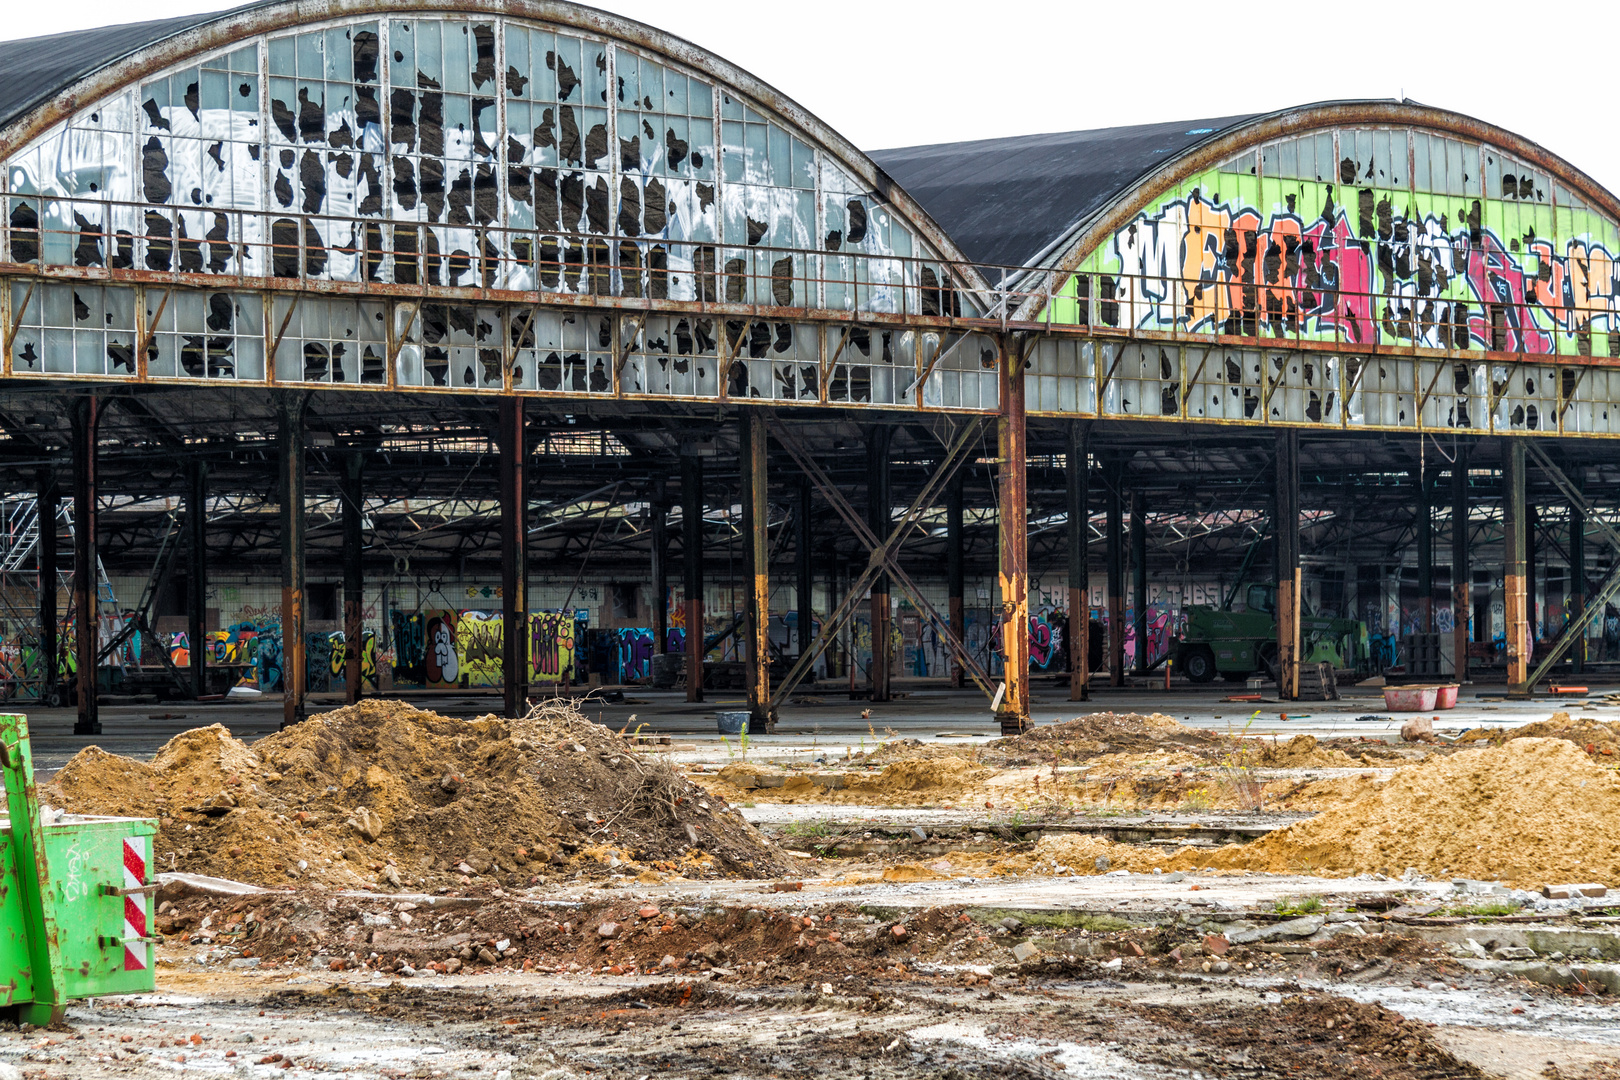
(1114, 555)
(290, 458)
(954, 576)
(658, 535)
(1532, 534)
(48, 496)
(354, 507)
(1288, 578)
(1462, 589)
(1139, 577)
(692, 568)
(1425, 551)
(1577, 584)
(879, 507)
(1013, 517)
(1515, 616)
(756, 569)
(86, 416)
(514, 453)
(197, 584)
(1078, 465)
(805, 584)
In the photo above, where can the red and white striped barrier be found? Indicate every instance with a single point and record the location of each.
(137, 951)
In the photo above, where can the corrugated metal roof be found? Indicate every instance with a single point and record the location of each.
(35, 70)
(1005, 201)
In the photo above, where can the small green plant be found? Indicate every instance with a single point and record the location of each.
(1486, 910)
(1196, 801)
(1305, 905)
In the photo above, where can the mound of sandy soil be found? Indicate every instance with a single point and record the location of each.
(383, 793)
(1531, 811)
(902, 783)
(1301, 752)
(1104, 733)
(1594, 736)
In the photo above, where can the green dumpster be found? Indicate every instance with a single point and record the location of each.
(75, 897)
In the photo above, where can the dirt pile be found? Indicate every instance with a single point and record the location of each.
(901, 783)
(382, 793)
(1104, 733)
(1531, 811)
(1593, 736)
(1301, 752)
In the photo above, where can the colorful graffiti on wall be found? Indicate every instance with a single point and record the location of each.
(1351, 252)
(326, 658)
(442, 649)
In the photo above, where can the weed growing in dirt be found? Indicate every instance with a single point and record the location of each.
(1488, 909)
(1196, 801)
(1235, 766)
(1305, 905)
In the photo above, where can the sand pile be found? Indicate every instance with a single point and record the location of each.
(1593, 736)
(1301, 752)
(1105, 733)
(383, 793)
(1532, 811)
(902, 783)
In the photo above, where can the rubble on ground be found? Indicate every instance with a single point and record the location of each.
(384, 793)
(1600, 737)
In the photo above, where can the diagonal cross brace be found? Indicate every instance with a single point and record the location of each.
(882, 555)
(1573, 629)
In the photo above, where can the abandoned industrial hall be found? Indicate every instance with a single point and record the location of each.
(354, 347)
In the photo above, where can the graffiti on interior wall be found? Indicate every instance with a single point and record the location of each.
(552, 635)
(326, 660)
(480, 647)
(634, 653)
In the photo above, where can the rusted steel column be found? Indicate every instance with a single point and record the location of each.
(1114, 555)
(879, 506)
(1532, 540)
(48, 497)
(514, 557)
(1515, 617)
(1139, 577)
(1462, 590)
(1425, 550)
(353, 499)
(804, 567)
(86, 422)
(1577, 580)
(692, 567)
(756, 569)
(1286, 527)
(197, 585)
(1013, 517)
(954, 583)
(1078, 467)
(658, 538)
(290, 457)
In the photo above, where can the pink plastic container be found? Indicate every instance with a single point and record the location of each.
(1410, 698)
(1446, 698)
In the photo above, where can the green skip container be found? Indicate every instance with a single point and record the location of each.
(75, 897)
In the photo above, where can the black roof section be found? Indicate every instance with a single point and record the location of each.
(34, 70)
(1006, 201)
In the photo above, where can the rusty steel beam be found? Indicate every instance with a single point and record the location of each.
(290, 455)
(1139, 617)
(1077, 467)
(46, 501)
(1012, 489)
(756, 570)
(878, 510)
(1577, 586)
(1462, 587)
(352, 481)
(1424, 539)
(1286, 527)
(1114, 555)
(954, 583)
(692, 568)
(86, 422)
(658, 542)
(514, 498)
(197, 581)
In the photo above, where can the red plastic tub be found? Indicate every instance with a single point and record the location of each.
(1410, 698)
(1446, 698)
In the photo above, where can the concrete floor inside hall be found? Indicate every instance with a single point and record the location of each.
(927, 710)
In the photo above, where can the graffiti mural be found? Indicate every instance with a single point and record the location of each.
(1467, 253)
(551, 646)
(634, 654)
(480, 648)
(326, 661)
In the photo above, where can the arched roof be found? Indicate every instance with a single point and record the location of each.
(1006, 201)
(45, 79)
(1047, 200)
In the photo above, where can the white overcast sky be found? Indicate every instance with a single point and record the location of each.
(898, 74)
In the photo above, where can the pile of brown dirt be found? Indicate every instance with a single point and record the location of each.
(902, 783)
(382, 792)
(1104, 733)
(1301, 752)
(1532, 811)
(1593, 736)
